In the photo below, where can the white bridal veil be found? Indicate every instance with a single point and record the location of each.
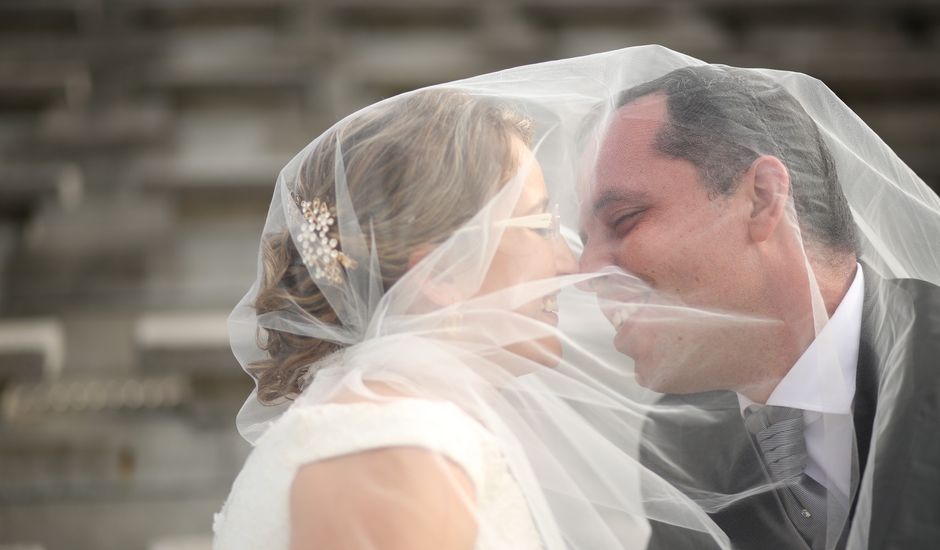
(376, 282)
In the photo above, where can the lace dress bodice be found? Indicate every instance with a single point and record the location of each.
(256, 512)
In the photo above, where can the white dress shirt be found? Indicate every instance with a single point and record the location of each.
(822, 384)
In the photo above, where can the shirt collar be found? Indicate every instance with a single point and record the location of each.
(823, 378)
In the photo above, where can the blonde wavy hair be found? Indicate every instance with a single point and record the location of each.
(417, 168)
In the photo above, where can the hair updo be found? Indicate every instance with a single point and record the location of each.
(417, 168)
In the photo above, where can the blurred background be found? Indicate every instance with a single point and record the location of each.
(139, 143)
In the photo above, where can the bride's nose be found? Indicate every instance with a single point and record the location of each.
(565, 262)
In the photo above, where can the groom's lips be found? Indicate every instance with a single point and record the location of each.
(622, 341)
(621, 310)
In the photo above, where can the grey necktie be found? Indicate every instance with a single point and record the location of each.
(778, 433)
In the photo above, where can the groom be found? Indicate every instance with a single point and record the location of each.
(699, 182)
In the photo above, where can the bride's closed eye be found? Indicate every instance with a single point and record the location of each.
(546, 224)
(544, 232)
(550, 223)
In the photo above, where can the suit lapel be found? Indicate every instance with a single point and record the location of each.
(865, 403)
(898, 348)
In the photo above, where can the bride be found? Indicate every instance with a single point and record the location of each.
(400, 333)
(368, 455)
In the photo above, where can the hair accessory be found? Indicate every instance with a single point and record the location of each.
(318, 250)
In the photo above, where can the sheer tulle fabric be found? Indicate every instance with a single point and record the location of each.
(593, 451)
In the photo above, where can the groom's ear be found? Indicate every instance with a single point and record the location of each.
(767, 186)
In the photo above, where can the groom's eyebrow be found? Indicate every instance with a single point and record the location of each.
(628, 196)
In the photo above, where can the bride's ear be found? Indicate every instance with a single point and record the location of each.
(439, 293)
(419, 253)
(767, 183)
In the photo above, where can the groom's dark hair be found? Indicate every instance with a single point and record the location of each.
(721, 119)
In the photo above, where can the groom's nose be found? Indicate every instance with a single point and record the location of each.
(591, 261)
(591, 258)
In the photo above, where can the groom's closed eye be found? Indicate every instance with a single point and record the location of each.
(623, 222)
(619, 208)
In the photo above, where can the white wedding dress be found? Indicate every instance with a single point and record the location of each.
(256, 513)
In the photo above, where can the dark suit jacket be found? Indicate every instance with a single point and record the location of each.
(897, 398)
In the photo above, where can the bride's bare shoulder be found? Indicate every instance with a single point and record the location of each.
(369, 392)
(394, 497)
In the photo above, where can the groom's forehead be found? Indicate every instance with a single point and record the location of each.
(626, 147)
(631, 131)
